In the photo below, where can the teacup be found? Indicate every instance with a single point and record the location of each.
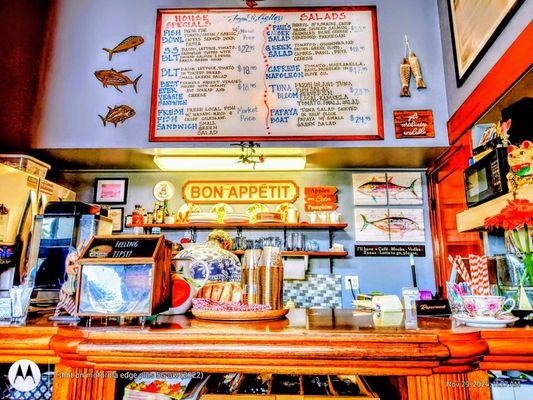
(487, 306)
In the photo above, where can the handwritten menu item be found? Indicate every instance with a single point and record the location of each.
(320, 198)
(212, 192)
(390, 250)
(266, 74)
(414, 124)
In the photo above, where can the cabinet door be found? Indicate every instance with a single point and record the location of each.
(447, 199)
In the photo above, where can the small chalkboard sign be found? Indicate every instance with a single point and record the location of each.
(121, 246)
(432, 307)
(390, 250)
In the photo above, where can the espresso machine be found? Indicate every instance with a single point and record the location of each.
(63, 227)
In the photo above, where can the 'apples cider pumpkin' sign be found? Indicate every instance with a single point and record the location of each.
(206, 192)
(320, 198)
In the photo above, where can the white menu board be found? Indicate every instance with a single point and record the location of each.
(266, 74)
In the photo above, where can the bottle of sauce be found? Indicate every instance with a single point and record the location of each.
(159, 215)
(137, 217)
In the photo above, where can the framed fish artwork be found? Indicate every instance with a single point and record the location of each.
(369, 189)
(372, 225)
(404, 188)
(407, 225)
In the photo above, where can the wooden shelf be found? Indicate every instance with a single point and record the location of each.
(472, 219)
(334, 227)
(311, 254)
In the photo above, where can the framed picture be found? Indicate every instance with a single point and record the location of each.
(117, 217)
(110, 190)
(475, 25)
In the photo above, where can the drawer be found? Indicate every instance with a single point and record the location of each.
(333, 382)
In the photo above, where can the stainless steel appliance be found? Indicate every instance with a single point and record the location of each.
(486, 179)
(62, 227)
(22, 196)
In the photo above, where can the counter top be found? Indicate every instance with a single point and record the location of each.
(308, 341)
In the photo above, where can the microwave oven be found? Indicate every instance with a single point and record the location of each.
(487, 178)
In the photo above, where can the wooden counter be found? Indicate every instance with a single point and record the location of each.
(434, 357)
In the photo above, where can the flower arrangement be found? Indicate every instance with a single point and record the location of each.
(517, 219)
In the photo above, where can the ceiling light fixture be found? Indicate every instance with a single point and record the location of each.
(220, 163)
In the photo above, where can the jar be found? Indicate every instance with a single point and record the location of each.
(137, 216)
(150, 218)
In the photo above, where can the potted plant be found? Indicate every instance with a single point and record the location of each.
(516, 218)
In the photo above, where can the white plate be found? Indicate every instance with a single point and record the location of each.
(236, 220)
(486, 322)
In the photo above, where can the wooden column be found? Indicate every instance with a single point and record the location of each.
(462, 386)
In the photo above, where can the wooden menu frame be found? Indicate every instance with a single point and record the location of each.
(379, 135)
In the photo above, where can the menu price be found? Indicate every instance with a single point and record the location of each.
(273, 73)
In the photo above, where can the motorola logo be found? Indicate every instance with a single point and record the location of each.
(24, 375)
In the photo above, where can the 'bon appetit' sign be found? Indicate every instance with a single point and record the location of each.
(207, 192)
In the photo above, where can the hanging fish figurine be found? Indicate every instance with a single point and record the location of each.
(405, 77)
(415, 66)
(417, 71)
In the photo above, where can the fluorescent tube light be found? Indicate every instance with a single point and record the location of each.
(216, 163)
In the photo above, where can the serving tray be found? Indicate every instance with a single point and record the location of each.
(239, 315)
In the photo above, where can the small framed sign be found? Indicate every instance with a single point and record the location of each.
(117, 217)
(414, 124)
(110, 190)
(320, 198)
(390, 250)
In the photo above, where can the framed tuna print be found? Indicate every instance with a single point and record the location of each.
(404, 188)
(268, 74)
(389, 225)
(372, 225)
(370, 188)
(391, 188)
(407, 225)
(475, 25)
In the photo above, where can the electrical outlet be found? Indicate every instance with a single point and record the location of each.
(355, 282)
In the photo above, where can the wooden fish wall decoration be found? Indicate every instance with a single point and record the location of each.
(117, 114)
(131, 42)
(110, 77)
(410, 66)
(116, 79)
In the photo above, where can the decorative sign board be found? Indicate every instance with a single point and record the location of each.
(414, 124)
(390, 251)
(121, 247)
(320, 198)
(266, 74)
(206, 192)
(432, 307)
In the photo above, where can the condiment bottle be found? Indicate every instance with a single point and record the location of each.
(160, 215)
(137, 217)
(150, 218)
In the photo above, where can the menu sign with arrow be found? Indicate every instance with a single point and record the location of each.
(320, 198)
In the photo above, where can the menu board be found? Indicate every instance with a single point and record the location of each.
(266, 74)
